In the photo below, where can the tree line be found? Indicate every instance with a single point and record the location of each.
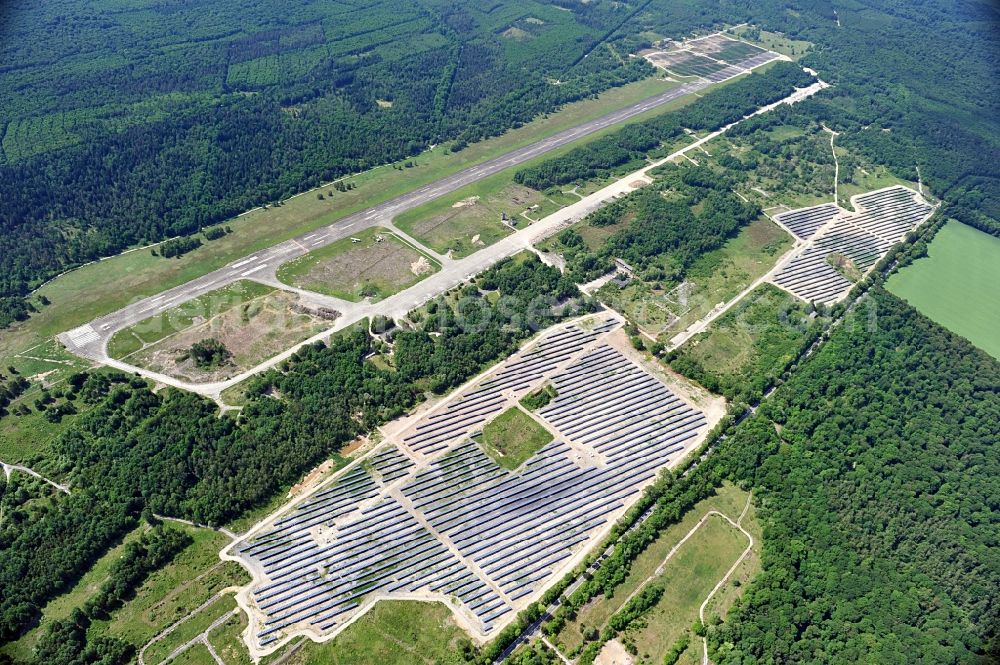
(718, 108)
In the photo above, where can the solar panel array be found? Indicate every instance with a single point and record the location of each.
(883, 219)
(725, 49)
(714, 58)
(473, 408)
(804, 222)
(462, 527)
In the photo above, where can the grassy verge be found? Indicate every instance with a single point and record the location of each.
(391, 633)
(512, 437)
(957, 284)
(378, 265)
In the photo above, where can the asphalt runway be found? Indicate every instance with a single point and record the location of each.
(90, 341)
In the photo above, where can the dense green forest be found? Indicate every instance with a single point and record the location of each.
(875, 472)
(170, 453)
(125, 125)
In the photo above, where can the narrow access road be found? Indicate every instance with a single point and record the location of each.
(10, 468)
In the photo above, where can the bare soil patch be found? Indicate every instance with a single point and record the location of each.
(252, 332)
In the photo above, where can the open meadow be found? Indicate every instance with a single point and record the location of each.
(957, 284)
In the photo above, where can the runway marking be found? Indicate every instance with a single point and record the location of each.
(253, 270)
(83, 335)
(244, 261)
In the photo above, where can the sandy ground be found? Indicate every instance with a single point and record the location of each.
(614, 653)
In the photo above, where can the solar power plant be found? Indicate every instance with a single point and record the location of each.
(727, 50)
(804, 222)
(472, 409)
(714, 58)
(685, 63)
(459, 528)
(884, 217)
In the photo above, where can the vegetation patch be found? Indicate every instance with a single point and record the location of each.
(393, 633)
(748, 348)
(957, 284)
(512, 437)
(665, 307)
(374, 264)
(191, 627)
(589, 621)
(171, 592)
(687, 579)
(472, 218)
(536, 399)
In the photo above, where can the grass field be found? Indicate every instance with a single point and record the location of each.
(391, 633)
(252, 321)
(774, 41)
(470, 219)
(716, 277)
(190, 628)
(687, 580)
(196, 654)
(227, 640)
(749, 345)
(171, 593)
(728, 499)
(512, 437)
(378, 266)
(957, 284)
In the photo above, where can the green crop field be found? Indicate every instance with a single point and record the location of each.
(957, 284)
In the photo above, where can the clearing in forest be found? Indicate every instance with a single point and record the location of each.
(957, 284)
